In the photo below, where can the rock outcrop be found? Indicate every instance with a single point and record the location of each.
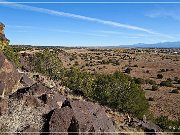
(46, 110)
(80, 116)
(8, 76)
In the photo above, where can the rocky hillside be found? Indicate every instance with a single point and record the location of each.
(32, 103)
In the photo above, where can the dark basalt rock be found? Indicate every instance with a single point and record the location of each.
(150, 127)
(76, 117)
(61, 120)
(26, 81)
(55, 100)
(91, 116)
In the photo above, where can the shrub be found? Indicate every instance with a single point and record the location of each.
(176, 79)
(169, 79)
(128, 70)
(147, 71)
(162, 70)
(166, 83)
(149, 81)
(139, 81)
(176, 91)
(155, 87)
(115, 90)
(76, 63)
(12, 55)
(168, 125)
(48, 63)
(151, 99)
(159, 76)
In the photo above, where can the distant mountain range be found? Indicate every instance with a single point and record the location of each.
(143, 45)
(158, 45)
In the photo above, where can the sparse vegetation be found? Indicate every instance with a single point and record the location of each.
(116, 90)
(155, 87)
(176, 91)
(149, 81)
(139, 81)
(97, 68)
(12, 55)
(47, 63)
(168, 125)
(166, 83)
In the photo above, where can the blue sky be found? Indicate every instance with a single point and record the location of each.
(90, 24)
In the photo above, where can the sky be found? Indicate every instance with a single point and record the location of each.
(90, 24)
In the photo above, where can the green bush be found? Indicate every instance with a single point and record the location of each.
(155, 87)
(116, 90)
(166, 83)
(12, 55)
(168, 125)
(149, 81)
(139, 81)
(48, 63)
(81, 81)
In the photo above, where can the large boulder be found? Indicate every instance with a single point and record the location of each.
(61, 120)
(91, 117)
(80, 116)
(8, 76)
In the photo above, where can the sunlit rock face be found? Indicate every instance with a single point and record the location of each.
(3, 40)
(8, 76)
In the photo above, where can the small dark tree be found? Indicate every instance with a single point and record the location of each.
(176, 79)
(128, 70)
(155, 87)
(166, 83)
(159, 76)
(176, 91)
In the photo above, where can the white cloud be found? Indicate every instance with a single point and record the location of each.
(165, 13)
(76, 16)
(86, 18)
